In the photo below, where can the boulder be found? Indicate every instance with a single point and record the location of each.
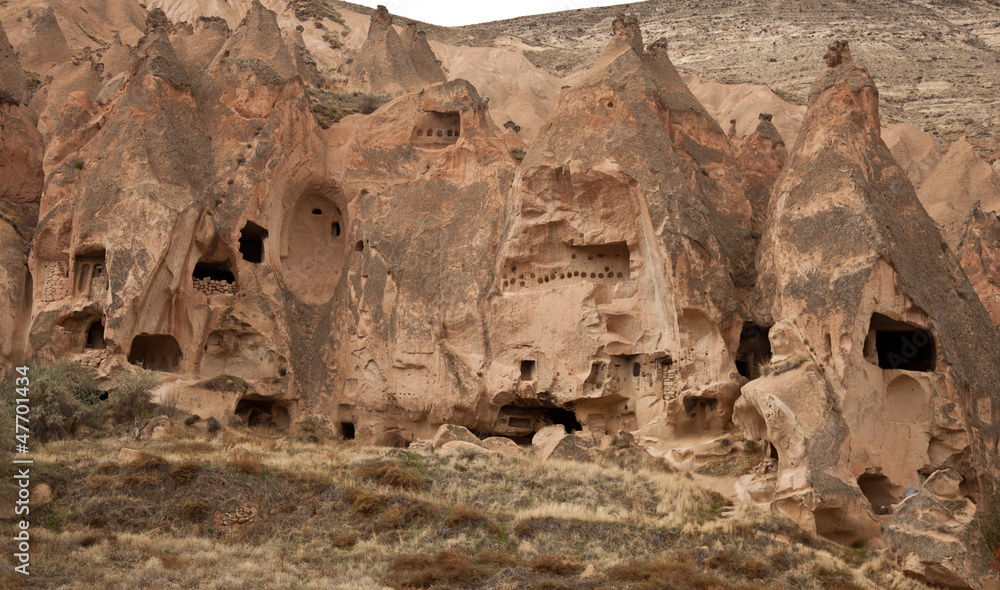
(41, 494)
(503, 445)
(547, 435)
(567, 448)
(935, 538)
(450, 432)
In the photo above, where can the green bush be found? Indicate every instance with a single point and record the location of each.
(62, 396)
(131, 397)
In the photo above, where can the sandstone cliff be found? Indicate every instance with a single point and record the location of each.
(889, 369)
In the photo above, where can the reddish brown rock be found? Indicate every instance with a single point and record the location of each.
(626, 242)
(13, 81)
(44, 46)
(979, 254)
(960, 180)
(761, 156)
(385, 65)
(884, 366)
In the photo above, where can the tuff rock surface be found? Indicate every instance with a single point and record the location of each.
(618, 271)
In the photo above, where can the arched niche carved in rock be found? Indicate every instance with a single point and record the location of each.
(437, 130)
(314, 245)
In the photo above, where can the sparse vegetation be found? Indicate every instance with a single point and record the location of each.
(518, 154)
(274, 511)
(63, 398)
(331, 105)
(7, 97)
(131, 396)
(76, 164)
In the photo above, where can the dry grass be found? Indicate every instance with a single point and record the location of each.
(343, 515)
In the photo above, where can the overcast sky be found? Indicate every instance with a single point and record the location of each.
(452, 13)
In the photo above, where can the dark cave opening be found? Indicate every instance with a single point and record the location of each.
(898, 345)
(252, 238)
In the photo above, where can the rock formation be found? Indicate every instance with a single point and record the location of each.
(386, 65)
(979, 254)
(885, 363)
(617, 282)
(960, 180)
(624, 267)
(761, 156)
(44, 46)
(13, 81)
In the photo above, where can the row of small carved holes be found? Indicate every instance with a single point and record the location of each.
(544, 279)
(430, 133)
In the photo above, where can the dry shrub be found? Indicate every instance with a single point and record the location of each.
(362, 501)
(726, 562)
(100, 482)
(680, 572)
(835, 579)
(392, 475)
(185, 472)
(402, 511)
(247, 463)
(195, 510)
(422, 571)
(147, 471)
(496, 559)
(464, 515)
(555, 564)
(344, 540)
(755, 569)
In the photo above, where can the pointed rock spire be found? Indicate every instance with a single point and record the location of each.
(13, 81)
(889, 332)
(44, 46)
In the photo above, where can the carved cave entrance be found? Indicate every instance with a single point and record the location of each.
(520, 421)
(155, 352)
(260, 412)
(437, 130)
(754, 350)
(95, 335)
(213, 277)
(879, 491)
(314, 246)
(892, 344)
(252, 238)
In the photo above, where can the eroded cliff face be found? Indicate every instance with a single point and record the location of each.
(633, 268)
(884, 369)
(617, 281)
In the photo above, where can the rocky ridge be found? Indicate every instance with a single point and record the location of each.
(621, 263)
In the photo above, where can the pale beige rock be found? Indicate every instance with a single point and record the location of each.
(567, 448)
(960, 180)
(503, 445)
(450, 432)
(945, 484)
(914, 150)
(935, 537)
(44, 47)
(547, 436)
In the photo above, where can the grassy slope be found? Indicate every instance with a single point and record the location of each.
(331, 514)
